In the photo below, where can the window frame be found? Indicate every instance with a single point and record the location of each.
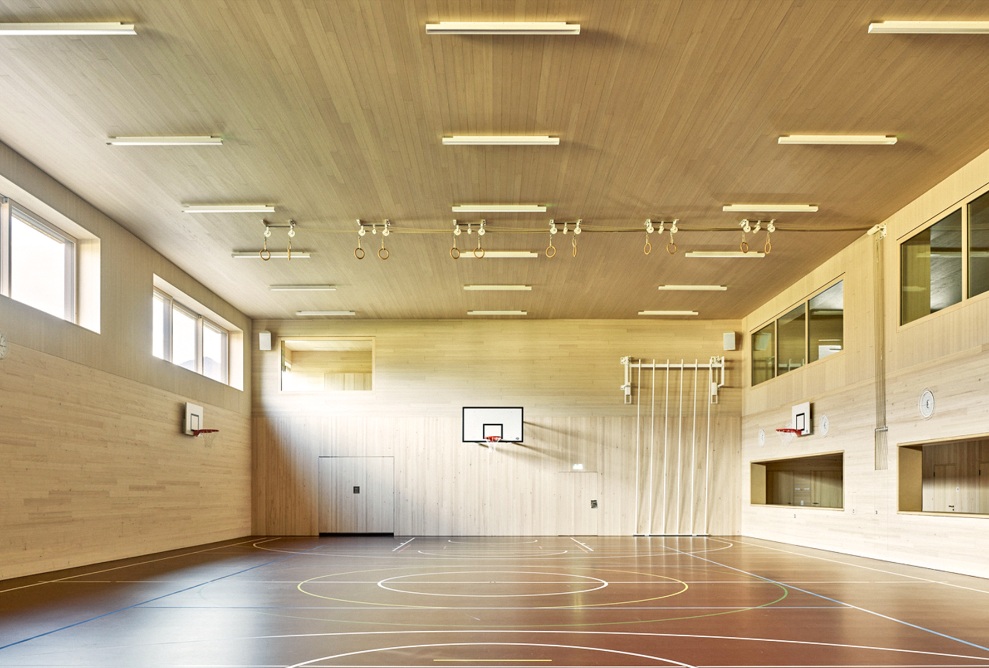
(171, 304)
(10, 209)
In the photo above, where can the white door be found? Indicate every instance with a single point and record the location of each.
(578, 504)
(356, 495)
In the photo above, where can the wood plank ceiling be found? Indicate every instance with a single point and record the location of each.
(334, 110)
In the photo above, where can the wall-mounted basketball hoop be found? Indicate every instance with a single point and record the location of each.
(207, 435)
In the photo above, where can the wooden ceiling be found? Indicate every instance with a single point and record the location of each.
(334, 110)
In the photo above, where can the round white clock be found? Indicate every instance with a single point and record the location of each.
(926, 404)
(762, 437)
(3, 345)
(824, 425)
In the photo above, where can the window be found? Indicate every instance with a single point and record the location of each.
(812, 330)
(978, 245)
(816, 481)
(327, 364)
(184, 336)
(931, 269)
(945, 477)
(41, 266)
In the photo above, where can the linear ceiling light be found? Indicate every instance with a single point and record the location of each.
(501, 140)
(499, 208)
(274, 255)
(500, 254)
(165, 141)
(723, 254)
(929, 27)
(691, 288)
(229, 208)
(839, 140)
(771, 208)
(499, 288)
(46, 29)
(502, 28)
(497, 313)
(302, 288)
(667, 312)
(324, 313)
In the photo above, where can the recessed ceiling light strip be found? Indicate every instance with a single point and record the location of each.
(502, 28)
(501, 140)
(929, 27)
(271, 255)
(496, 254)
(694, 288)
(205, 140)
(483, 313)
(324, 314)
(302, 288)
(771, 208)
(838, 140)
(498, 288)
(499, 208)
(57, 29)
(229, 208)
(724, 254)
(668, 313)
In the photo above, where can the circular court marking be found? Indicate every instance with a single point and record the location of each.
(588, 583)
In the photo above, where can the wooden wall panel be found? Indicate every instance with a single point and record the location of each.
(566, 375)
(947, 352)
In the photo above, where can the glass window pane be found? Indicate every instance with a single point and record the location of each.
(37, 268)
(214, 345)
(763, 354)
(791, 330)
(931, 269)
(183, 339)
(978, 246)
(826, 324)
(158, 327)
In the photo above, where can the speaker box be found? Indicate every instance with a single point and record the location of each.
(264, 340)
(729, 340)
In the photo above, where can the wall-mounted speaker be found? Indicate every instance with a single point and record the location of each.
(264, 340)
(729, 340)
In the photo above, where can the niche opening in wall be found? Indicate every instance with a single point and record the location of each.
(327, 364)
(945, 477)
(816, 481)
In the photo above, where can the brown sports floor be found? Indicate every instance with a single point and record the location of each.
(513, 601)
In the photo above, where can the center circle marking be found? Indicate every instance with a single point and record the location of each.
(589, 584)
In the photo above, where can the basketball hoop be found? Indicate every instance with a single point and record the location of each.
(789, 430)
(208, 436)
(787, 434)
(492, 441)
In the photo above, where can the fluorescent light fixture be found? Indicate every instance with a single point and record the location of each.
(929, 27)
(302, 288)
(497, 313)
(47, 29)
(165, 141)
(839, 140)
(327, 314)
(770, 208)
(502, 28)
(667, 312)
(499, 208)
(498, 288)
(469, 255)
(723, 254)
(698, 288)
(501, 140)
(229, 208)
(275, 255)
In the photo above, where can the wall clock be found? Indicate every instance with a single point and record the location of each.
(4, 346)
(824, 425)
(762, 437)
(926, 404)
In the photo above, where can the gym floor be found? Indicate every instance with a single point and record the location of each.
(512, 601)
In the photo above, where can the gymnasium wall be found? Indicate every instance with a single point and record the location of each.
(947, 352)
(565, 374)
(95, 466)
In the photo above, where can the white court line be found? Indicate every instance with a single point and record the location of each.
(117, 568)
(869, 568)
(404, 544)
(583, 546)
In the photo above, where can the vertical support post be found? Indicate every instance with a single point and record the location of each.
(693, 455)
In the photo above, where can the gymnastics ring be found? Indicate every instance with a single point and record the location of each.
(359, 253)
(552, 248)
(768, 248)
(671, 248)
(573, 242)
(647, 248)
(744, 246)
(478, 252)
(383, 253)
(454, 252)
(265, 254)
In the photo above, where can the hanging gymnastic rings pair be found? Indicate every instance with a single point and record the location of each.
(551, 250)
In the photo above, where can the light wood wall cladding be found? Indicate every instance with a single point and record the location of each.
(95, 468)
(947, 352)
(566, 375)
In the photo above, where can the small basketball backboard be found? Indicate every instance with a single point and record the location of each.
(483, 422)
(193, 418)
(801, 419)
